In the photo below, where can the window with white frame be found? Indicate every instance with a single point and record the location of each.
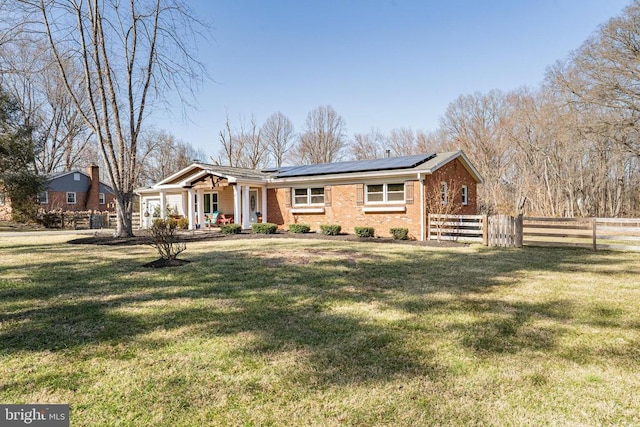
(71, 198)
(308, 196)
(2, 198)
(385, 193)
(102, 198)
(43, 197)
(444, 193)
(210, 202)
(465, 195)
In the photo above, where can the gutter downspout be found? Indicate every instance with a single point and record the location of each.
(422, 207)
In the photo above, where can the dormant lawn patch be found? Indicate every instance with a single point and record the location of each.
(318, 332)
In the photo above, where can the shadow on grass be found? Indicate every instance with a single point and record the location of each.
(292, 304)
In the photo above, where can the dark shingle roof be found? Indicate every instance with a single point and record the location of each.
(404, 162)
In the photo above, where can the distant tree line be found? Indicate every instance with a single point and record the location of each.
(570, 147)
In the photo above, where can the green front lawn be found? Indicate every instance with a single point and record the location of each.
(317, 332)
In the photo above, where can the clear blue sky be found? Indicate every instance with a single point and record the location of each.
(381, 64)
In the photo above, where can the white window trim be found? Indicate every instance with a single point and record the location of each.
(465, 195)
(75, 198)
(385, 194)
(102, 198)
(46, 198)
(308, 202)
(444, 192)
(307, 210)
(374, 209)
(3, 196)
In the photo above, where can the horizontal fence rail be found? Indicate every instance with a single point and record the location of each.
(467, 228)
(80, 220)
(575, 232)
(622, 234)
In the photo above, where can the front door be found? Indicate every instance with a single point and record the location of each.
(151, 212)
(253, 206)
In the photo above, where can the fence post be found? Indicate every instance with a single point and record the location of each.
(595, 234)
(428, 226)
(485, 230)
(519, 231)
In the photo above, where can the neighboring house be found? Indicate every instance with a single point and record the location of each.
(381, 193)
(77, 191)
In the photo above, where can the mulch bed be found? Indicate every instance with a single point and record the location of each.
(142, 237)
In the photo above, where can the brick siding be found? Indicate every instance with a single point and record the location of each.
(344, 209)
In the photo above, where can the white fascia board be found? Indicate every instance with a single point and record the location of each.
(465, 162)
(180, 172)
(159, 187)
(343, 179)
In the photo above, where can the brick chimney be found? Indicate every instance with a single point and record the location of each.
(93, 193)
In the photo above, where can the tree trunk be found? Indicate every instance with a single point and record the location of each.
(124, 226)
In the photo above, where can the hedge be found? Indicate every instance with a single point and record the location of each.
(264, 228)
(400, 233)
(364, 231)
(299, 228)
(330, 229)
(230, 228)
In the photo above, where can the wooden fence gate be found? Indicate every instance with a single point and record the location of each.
(505, 231)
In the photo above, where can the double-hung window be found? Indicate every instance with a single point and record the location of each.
(308, 196)
(43, 197)
(102, 198)
(71, 198)
(465, 195)
(444, 193)
(385, 193)
(210, 202)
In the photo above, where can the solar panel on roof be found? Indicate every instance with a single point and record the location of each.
(403, 162)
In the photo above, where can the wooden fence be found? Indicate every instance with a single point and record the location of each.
(576, 232)
(501, 230)
(468, 228)
(80, 220)
(505, 231)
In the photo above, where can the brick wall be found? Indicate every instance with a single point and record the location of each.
(58, 201)
(455, 175)
(344, 209)
(92, 198)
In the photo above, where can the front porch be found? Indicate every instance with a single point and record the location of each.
(198, 195)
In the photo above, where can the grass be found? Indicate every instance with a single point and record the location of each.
(311, 332)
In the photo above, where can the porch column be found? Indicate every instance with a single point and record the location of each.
(245, 207)
(163, 204)
(200, 193)
(236, 203)
(192, 209)
(264, 204)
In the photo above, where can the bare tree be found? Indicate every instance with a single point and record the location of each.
(475, 124)
(603, 77)
(132, 54)
(162, 154)
(48, 109)
(277, 134)
(402, 142)
(243, 147)
(366, 146)
(323, 139)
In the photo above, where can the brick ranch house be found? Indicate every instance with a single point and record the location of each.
(381, 193)
(70, 191)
